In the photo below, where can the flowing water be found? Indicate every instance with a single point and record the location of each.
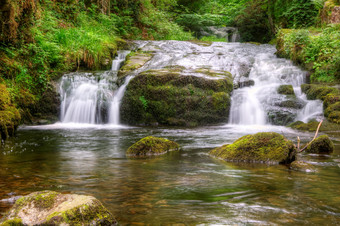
(85, 152)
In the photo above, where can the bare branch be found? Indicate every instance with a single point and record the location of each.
(316, 134)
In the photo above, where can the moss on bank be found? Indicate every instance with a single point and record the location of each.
(149, 146)
(170, 97)
(9, 115)
(260, 147)
(311, 126)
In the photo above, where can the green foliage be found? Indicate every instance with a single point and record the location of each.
(212, 39)
(144, 102)
(321, 50)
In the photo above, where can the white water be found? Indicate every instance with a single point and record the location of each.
(95, 99)
(92, 98)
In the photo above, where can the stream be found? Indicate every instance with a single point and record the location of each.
(84, 153)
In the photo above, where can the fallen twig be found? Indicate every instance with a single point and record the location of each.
(316, 134)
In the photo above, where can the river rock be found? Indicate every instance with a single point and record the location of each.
(321, 145)
(260, 148)
(149, 146)
(134, 61)
(281, 116)
(53, 208)
(286, 90)
(177, 96)
(302, 166)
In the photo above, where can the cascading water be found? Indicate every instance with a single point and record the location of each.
(92, 97)
(256, 70)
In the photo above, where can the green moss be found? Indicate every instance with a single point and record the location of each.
(43, 199)
(318, 91)
(286, 90)
(12, 222)
(311, 126)
(9, 115)
(85, 214)
(173, 98)
(134, 61)
(151, 146)
(260, 147)
(322, 144)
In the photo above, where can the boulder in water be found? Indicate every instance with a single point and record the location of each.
(302, 166)
(260, 148)
(321, 145)
(150, 146)
(53, 208)
(175, 94)
(286, 90)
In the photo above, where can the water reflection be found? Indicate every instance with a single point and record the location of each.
(187, 187)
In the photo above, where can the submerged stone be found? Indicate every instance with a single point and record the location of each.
(320, 145)
(260, 148)
(149, 146)
(53, 208)
(302, 166)
(177, 96)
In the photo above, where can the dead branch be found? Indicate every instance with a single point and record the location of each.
(316, 134)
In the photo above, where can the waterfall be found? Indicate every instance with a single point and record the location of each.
(95, 97)
(92, 98)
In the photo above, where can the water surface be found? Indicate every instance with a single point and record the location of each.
(187, 187)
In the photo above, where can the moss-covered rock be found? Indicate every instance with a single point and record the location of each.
(322, 144)
(312, 125)
(174, 96)
(150, 146)
(9, 115)
(260, 147)
(292, 103)
(286, 90)
(318, 91)
(302, 166)
(134, 61)
(53, 208)
(281, 116)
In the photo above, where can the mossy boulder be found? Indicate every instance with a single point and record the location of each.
(177, 96)
(150, 146)
(260, 148)
(53, 208)
(9, 114)
(318, 91)
(286, 90)
(134, 61)
(322, 144)
(302, 166)
(312, 126)
(281, 116)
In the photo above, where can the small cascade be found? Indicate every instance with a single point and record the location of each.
(114, 108)
(92, 98)
(117, 63)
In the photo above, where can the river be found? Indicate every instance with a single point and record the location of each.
(186, 187)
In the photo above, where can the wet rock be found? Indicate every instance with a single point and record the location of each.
(291, 103)
(134, 61)
(53, 208)
(286, 90)
(177, 96)
(279, 116)
(150, 146)
(246, 83)
(260, 148)
(302, 166)
(320, 145)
